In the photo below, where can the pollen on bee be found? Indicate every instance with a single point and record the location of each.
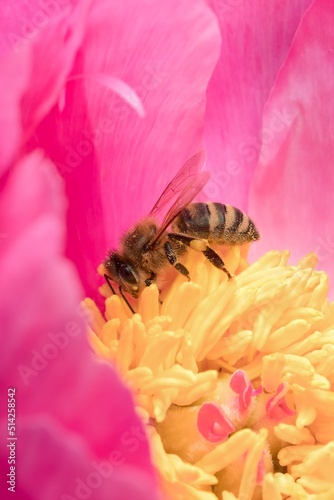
(198, 245)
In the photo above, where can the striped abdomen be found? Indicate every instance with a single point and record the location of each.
(216, 223)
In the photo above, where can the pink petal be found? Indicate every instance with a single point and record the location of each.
(40, 41)
(11, 92)
(292, 196)
(52, 463)
(39, 195)
(115, 164)
(45, 352)
(256, 37)
(213, 423)
(117, 86)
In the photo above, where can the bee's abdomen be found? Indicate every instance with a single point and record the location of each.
(217, 223)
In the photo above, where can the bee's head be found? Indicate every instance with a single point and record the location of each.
(123, 272)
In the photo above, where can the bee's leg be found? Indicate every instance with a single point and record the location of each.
(216, 260)
(151, 279)
(201, 246)
(172, 259)
(108, 280)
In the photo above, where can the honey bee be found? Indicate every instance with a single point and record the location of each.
(148, 247)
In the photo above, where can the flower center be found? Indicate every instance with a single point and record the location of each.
(232, 377)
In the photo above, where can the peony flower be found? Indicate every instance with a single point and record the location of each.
(229, 376)
(231, 379)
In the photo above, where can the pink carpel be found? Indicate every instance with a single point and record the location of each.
(240, 384)
(213, 423)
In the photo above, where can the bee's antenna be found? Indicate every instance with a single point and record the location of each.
(126, 300)
(106, 277)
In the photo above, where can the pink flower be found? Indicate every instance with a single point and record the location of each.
(118, 95)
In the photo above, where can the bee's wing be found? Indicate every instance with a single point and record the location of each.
(191, 186)
(185, 177)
